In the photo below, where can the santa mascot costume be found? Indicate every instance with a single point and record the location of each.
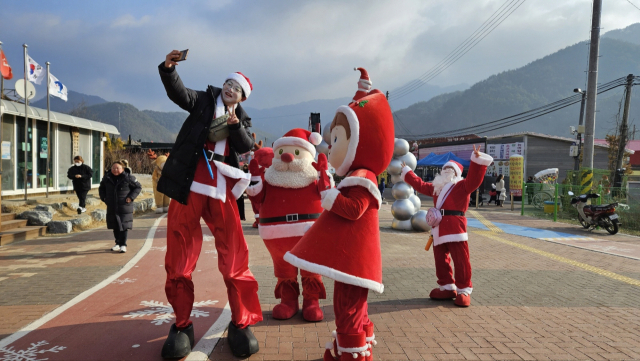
(262, 159)
(451, 194)
(290, 204)
(344, 243)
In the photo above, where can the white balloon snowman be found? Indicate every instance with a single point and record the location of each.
(407, 215)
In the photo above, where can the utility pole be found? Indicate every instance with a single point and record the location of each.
(624, 128)
(592, 86)
(580, 122)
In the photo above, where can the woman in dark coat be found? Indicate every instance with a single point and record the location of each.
(118, 189)
(80, 175)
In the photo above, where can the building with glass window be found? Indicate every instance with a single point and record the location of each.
(70, 136)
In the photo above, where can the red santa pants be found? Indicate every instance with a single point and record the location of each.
(312, 286)
(184, 242)
(459, 252)
(350, 308)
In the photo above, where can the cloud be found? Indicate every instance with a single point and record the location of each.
(292, 51)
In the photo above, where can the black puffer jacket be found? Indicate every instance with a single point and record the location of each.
(84, 182)
(114, 191)
(178, 171)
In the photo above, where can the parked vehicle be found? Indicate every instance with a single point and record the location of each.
(591, 216)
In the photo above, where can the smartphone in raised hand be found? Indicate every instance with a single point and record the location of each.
(182, 56)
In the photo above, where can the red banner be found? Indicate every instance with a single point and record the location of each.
(5, 69)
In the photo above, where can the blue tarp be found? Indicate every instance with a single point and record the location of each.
(435, 160)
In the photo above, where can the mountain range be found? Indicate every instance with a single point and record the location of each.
(538, 83)
(430, 109)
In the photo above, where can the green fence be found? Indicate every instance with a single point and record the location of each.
(552, 201)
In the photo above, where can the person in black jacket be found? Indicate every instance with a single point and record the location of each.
(118, 189)
(202, 178)
(80, 175)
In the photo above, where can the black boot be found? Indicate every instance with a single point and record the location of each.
(179, 343)
(242, 341)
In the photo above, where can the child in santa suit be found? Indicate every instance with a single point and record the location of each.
(203, 180)
(344, 243)
(450, 236)
(289, 194)
(262, 158)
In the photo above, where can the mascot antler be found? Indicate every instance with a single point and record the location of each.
(257, 145)
(151, 154)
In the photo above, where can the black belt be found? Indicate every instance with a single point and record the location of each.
(451, 213)
(215, 156)
(289, 218)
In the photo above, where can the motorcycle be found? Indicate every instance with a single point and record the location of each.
(591, 216)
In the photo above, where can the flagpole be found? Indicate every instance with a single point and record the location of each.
(26, 120)
(48, 126)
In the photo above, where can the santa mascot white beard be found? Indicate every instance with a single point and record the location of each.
(298, 173)
(445, 176)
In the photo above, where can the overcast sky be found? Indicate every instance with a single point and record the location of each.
(293, 51)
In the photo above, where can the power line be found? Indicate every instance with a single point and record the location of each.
(629, 1)
(483, 31)
(524, 116)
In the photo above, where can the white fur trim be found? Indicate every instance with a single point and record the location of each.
(334, 274)
(315, 138)
(329, 197)
(352, 349)
(449, 287)
(406, 169)
(256, 178)
(295, 141)
(284, 230)
(466, 290)
(331, 181)
(454, 166)
(362, 182)
(483, 159)
(209, 191)
(255, 189)
(354, 124)
(242, 81)
(372, 338)
(438, 240)
(243, 178)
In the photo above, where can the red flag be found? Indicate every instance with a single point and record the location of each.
(5, 69)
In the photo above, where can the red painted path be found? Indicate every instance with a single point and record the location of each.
(127, 316)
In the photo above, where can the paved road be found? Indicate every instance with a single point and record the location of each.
(532, 300)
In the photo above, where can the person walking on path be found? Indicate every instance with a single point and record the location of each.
(203, 180)
(381, 187)
(501, 191)
(80, 175)
(451, 195)
(118, 189)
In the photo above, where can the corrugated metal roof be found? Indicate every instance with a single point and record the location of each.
(596, 142)
(60, 118)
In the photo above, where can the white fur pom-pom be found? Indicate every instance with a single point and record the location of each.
(315, 138)
(367, 354)
(328, 345)
(355, 355)
(339, 353)
(374, 342)
(334, 334)
(363, 353)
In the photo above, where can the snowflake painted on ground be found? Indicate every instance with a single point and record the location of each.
(164, 313)
(163, 248)
(208, 238)
(211, 251)
(126, 280)
(30, 354)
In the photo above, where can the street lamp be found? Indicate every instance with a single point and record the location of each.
(580, 126)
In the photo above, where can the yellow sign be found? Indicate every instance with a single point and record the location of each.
(516, 174)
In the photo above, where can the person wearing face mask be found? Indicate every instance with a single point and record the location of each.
(80, 175)
(451, 194)
(118, 189)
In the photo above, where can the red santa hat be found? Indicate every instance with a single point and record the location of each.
(457, 167)
(301, 138)
(372, 130)
(244, 82)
